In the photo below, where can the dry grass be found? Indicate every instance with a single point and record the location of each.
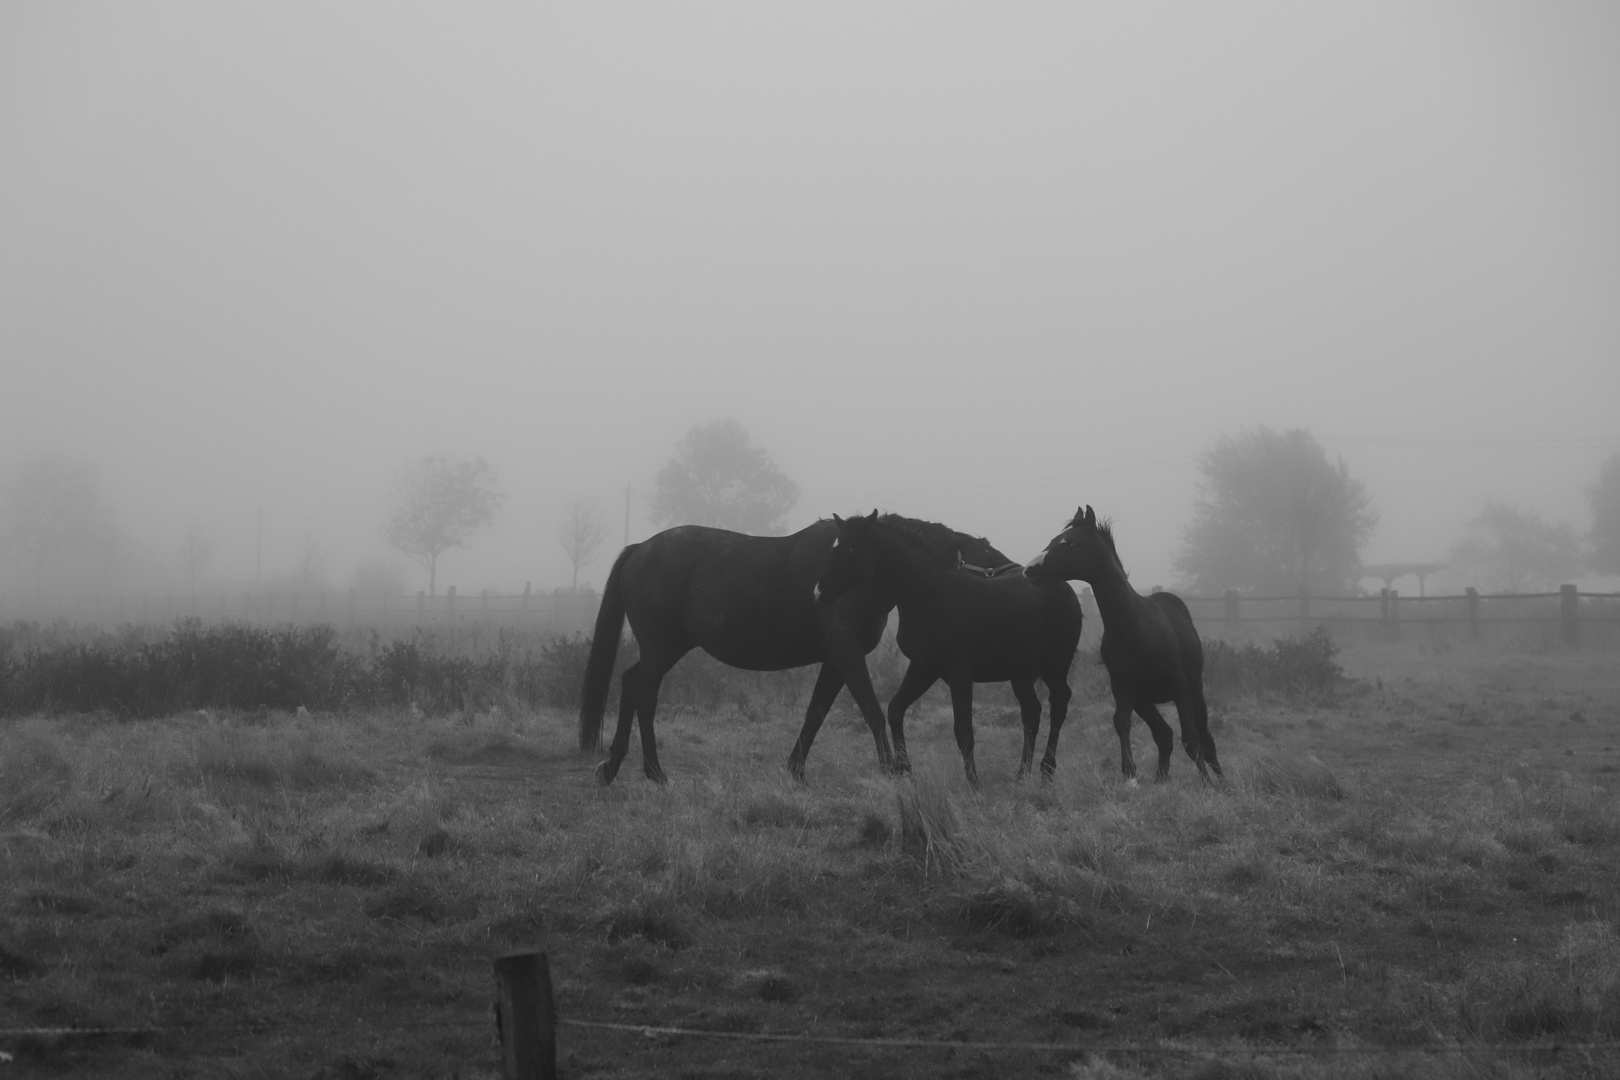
(1423, 877)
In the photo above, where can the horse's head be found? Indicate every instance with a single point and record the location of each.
(851, 559)
(1083, 551)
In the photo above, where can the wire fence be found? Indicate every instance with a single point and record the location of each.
(1098, 1048)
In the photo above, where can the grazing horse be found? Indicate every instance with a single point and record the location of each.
(962, 628)
(748, 602)
(1149, 645)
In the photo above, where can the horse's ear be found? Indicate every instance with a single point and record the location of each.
(1091, 517)
(873, 515)
(838, 521)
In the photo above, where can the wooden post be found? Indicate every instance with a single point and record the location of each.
(450, 604)
(1473, 613)
(1394, 614)
(1231, 596)
(526, 1016)
(1304, 610)
(1568, 608)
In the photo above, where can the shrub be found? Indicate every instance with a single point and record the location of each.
(1293, 667)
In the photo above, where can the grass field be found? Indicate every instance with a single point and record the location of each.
(1417, 878)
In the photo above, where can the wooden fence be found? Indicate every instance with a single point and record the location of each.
(1567, 617)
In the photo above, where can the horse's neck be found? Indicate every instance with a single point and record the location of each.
(1118, 603)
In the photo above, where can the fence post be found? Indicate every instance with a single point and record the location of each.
(450, 604)
(421, 606)
(1568, 606)
(1304, 609)
(526, 1017)
(1473, 613)
(1231, 597)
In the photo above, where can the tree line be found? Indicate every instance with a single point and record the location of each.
(1274, 515)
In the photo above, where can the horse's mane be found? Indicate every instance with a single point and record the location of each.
(1105, 529)
(944, 544)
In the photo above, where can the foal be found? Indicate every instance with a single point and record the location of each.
(1149, 645)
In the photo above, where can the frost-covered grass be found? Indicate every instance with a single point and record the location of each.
(1418, 879)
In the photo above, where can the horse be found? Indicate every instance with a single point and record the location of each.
(1149, 645)
(748, 602)
(963, 628)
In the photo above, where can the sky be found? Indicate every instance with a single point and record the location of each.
(975, 263)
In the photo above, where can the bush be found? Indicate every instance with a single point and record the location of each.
(139, 673)
(1292, 667)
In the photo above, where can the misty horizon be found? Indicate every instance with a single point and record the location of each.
(976, 266)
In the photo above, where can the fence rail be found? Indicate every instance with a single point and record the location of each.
(1567, 617)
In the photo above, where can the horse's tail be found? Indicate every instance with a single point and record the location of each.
(604, 649)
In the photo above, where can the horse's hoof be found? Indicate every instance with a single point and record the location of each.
(796, 770)
(1132, 782)
(603, 774)
(656, 775)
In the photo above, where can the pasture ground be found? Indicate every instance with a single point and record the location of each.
(1420, 878)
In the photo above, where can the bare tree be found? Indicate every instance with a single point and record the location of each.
(197, 551)
(1514, 550)
(54, 511)
(311, 567)
(440, 504)
(581, 533)
(380, 577)
(1604, 494)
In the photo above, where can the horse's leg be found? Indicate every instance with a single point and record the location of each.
(1162, 735)
(1122, 727)
(628, 689)
(1029, 710)
(962, 708)
(852, 669)
(828, 683)
(1058, 695)
(646, 706)
(913, 685)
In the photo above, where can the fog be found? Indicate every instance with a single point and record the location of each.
(971, 263)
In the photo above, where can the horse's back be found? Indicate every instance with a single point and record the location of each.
(1180, 618)
(747, 600)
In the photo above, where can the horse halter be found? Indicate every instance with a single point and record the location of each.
(986, 571)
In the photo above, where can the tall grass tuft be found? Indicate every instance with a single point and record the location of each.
(930, 828)
(33, 772)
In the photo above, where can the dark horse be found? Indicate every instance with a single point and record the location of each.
(962, 628)
(747, 601)
(1149, 645)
